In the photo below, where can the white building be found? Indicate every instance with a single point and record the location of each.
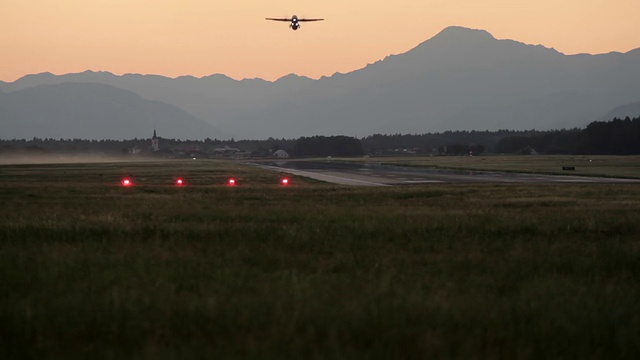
(281, 154)
(154, 141)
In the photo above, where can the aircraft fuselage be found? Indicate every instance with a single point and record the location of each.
(294, 23)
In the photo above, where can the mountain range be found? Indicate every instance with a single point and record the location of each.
(92, 111)
(621, 112)
(461, 79)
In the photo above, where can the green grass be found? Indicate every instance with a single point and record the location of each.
(91, 269)
(591, 165)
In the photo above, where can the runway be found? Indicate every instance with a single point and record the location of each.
(370, 174)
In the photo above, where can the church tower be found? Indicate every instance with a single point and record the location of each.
(154, 141)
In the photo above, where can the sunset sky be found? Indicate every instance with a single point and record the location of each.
(203, 37)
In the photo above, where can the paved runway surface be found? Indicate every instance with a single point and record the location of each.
(386, 175)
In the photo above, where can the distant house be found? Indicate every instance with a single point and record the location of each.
(227, 152)
(280, 154)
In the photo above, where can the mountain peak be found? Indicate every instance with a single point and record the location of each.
(216, 77)
(91, 72)
(42, 75)
(457, 33)
(292, 77)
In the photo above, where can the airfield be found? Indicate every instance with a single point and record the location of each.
(454, 269)
(376, 174)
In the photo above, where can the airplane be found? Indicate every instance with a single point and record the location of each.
(294, 21)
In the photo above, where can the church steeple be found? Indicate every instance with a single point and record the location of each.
(154, 141)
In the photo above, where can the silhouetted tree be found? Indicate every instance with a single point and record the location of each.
(328, 146)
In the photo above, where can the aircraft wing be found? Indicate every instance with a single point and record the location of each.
(278, 19)
(310, 19)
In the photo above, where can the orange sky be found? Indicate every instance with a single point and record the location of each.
(203, 37)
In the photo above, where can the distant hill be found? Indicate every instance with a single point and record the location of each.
(631, 110)
(93, 111)
(461, 79)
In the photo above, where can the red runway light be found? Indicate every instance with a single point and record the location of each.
(231, 182)
(180, 182)
(284, 181)
(127, 182)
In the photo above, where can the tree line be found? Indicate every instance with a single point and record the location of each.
(615, 137)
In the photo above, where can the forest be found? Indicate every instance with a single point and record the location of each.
(615, 137)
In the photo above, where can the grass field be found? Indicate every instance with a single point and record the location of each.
(592, 165)
(313, 270)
